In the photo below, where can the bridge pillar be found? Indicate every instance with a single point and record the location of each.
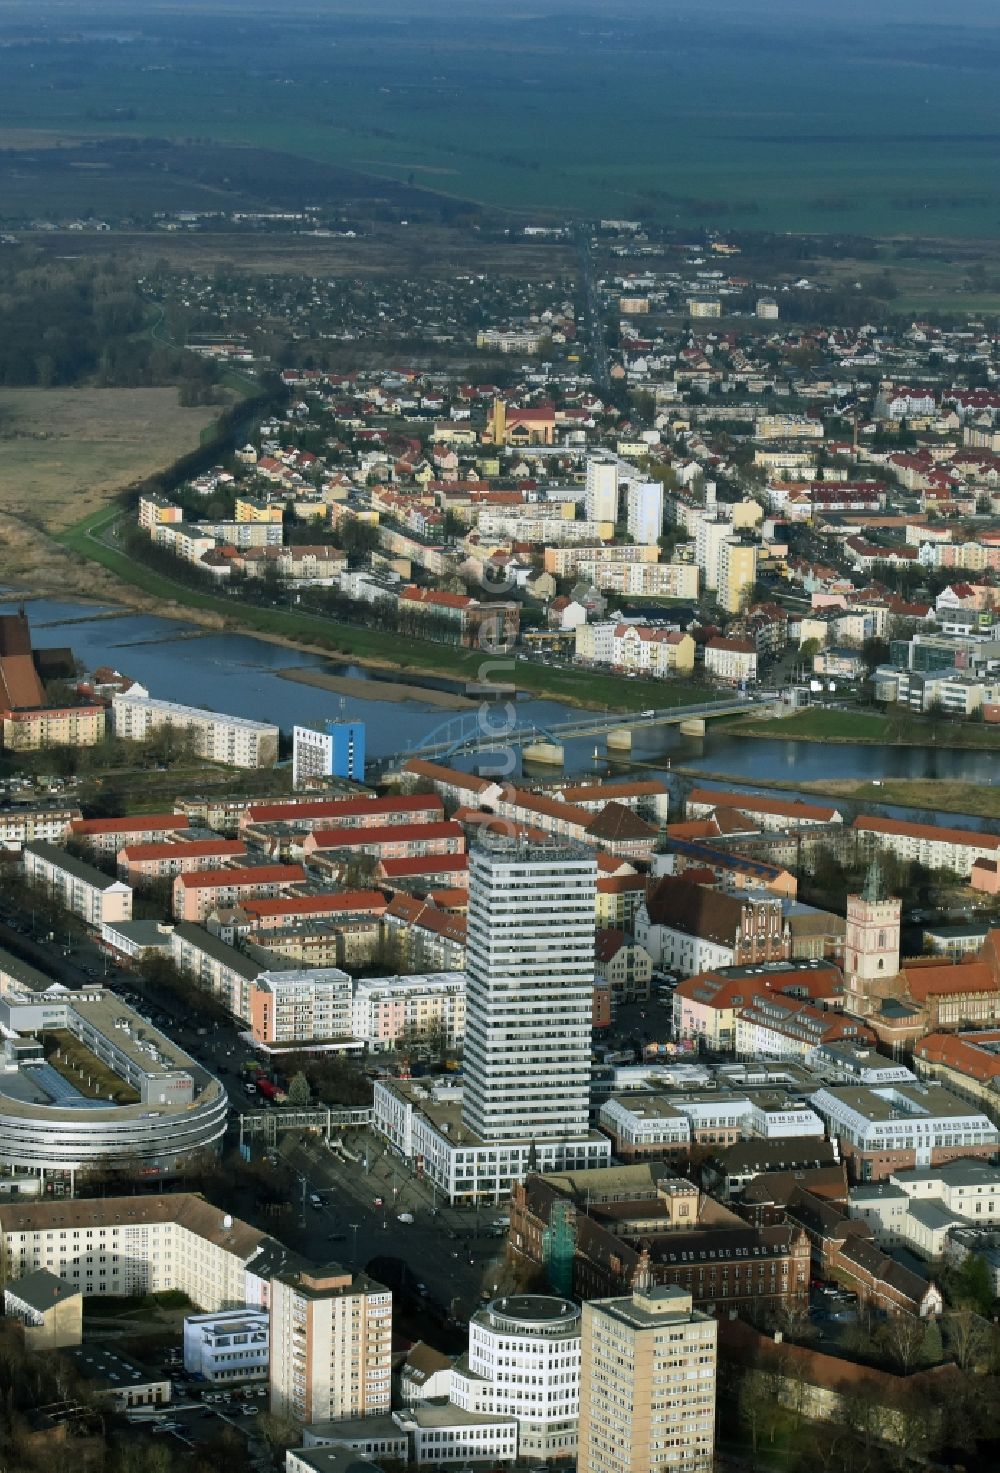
(551, 753)
(693, 726)
(619, 739)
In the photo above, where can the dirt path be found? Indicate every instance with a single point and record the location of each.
(378, 690)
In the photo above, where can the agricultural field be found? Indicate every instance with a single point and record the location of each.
(66, 452)
(768, 117)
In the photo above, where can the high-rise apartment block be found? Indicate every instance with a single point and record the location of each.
(530, 960)
(647, 1385)
(331, 1345)
(601, 500)
(336, 749)
(645, 511)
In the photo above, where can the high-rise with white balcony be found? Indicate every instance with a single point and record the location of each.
(530, 963)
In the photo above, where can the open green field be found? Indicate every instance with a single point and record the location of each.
(372, 646)
(820, 725)
(65, 452)
(762, 115)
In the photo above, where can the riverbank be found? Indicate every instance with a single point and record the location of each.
(376, 649)
(378, 690)
(931, 795)
(870, 728)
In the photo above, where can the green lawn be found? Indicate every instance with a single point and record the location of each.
(579, 687)
(821, 725)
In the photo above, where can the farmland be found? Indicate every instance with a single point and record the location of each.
(720, 116)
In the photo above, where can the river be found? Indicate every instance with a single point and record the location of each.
(239, 674)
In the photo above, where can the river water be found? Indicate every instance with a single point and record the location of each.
(238, 674)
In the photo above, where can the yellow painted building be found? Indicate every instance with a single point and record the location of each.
(253, 509)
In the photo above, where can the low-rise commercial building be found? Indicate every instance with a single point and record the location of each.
(894, 1127)
(232, 1345)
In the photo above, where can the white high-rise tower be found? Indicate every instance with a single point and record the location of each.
(530, 964)
(601, 501)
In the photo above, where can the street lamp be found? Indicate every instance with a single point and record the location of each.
(354, 1246)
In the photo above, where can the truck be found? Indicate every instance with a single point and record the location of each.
(270, 1091)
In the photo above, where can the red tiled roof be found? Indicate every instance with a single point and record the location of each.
(425, 864)
(195, 848)
(344, 838)
(264, 874)
(340, 808)
(143, 823)
(754, 803)
(306, 905)
(874, 824)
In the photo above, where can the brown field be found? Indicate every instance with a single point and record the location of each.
(393, 251)
(65, 452)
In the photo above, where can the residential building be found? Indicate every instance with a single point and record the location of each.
(647, 1385)
(215, 966)
(625, 965)
(336, 749)
(78, 887)
(331, 1345)
(20, 823)
(731, 660)
(932, 845)
(601, 497)
(80, 725)
(737, 573)
(707, 1006)
(232, 740)
(644, 503)
(389, 1012)
(307, 1007)
(196, 894)
(105, 836)
(144, 864)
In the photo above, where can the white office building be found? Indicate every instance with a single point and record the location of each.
(530, 959)
(524, 1361)
(232, 1345)
(601, 501)
(645, 511)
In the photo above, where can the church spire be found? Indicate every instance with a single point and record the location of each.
(875, 889)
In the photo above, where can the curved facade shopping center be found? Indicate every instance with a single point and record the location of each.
(86, 1082)
(42, 1138)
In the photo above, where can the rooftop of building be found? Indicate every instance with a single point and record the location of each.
(41, 1290)
(186, 1209)
(880, 1103)
(78, 868)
